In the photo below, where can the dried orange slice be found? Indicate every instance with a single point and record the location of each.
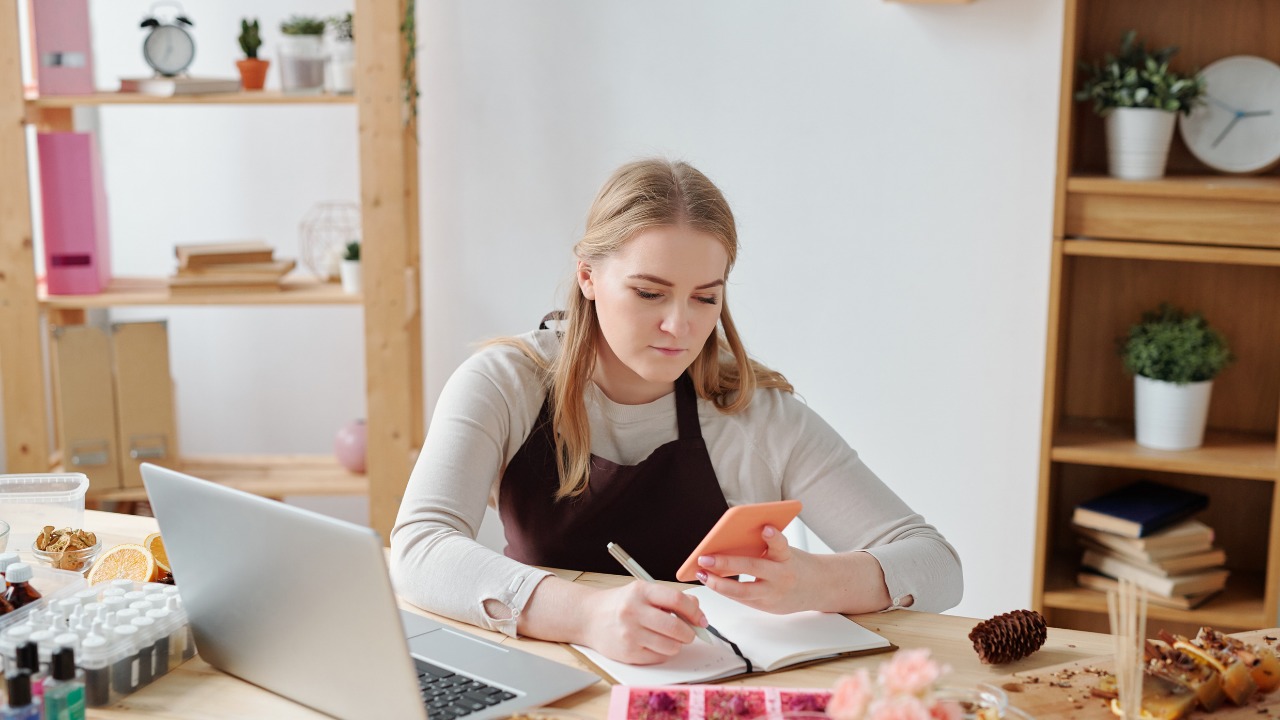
(128, 561)
(155, 544)
(1201, 655)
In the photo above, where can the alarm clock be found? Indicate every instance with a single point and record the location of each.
(168, 48)
(1237, 129)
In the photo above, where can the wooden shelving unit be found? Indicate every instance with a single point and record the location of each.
(155, 291)
(1202, 241)
(392, 317)
(257, 97)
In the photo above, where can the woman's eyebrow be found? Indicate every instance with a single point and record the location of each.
(667, 283)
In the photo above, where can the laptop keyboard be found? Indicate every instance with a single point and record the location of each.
(449, 695)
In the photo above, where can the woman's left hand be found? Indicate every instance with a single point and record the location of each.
(782, 576)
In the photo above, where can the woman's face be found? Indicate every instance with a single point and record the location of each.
(658, 299)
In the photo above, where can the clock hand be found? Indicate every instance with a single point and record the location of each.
(1256, 113)
(1221, 104)
(1226, 129)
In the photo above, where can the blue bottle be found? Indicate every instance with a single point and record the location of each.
(21, 705)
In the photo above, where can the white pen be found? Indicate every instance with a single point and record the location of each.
(639, 573)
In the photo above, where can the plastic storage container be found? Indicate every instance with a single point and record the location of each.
(53, 585)
(29, 502)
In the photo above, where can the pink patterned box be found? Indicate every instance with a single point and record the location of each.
(77, 252)
(713, 702)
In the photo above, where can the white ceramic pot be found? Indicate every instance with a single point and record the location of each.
(301, 63)
(341, 69)
(1169, 416)
(1138, 142)
(351, 276)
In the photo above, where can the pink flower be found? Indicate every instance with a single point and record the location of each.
(945, 710)
(851, 696)
(899, 707)
(909, 672)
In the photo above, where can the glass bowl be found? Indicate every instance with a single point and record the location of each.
(977, 702)
(74, 560)
(4, 535)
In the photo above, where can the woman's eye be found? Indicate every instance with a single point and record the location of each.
(707, 299)
(646, 295)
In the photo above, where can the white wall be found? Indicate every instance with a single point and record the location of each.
(891, 171)
(890, 167)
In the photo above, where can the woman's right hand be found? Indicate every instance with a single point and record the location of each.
(634, 624)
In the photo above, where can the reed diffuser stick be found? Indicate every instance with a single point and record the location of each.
(1127, 612)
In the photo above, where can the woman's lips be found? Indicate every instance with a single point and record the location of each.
(669, 352)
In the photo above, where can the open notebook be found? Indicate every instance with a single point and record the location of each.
(770, 642)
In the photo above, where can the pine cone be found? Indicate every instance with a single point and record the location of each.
(1008, 637)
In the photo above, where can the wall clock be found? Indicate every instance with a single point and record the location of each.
(1237, 129)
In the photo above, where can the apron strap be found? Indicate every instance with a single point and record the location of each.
(553, 315)
(687, 409)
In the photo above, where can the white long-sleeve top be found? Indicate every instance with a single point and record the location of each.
(776, 449)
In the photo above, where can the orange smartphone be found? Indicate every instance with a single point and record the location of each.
(737, 532)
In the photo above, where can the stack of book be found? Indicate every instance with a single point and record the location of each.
(228, 267)
(1142, 532)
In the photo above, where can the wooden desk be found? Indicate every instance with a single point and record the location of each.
(196, 690)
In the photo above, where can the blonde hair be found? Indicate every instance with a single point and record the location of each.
(639, 196)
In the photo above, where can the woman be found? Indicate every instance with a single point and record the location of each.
(641, 423)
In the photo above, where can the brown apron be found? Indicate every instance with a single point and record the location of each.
(657, 510)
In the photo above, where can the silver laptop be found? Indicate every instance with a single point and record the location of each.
(301, 604)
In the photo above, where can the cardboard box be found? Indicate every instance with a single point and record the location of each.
(144, 398)
(85, 395)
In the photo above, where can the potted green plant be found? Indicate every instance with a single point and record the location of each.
(253, 71)
(1140, 99)
(302, 54)
(351, 267)
(340, 71)
(1173, 358)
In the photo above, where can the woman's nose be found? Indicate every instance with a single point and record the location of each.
(675, 321)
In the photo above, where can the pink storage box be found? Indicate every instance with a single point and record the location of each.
(77, 253)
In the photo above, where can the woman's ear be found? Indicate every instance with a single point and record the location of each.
(586, 281)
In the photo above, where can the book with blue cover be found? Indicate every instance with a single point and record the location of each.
(1138, 509)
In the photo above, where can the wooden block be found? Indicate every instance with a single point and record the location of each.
(144, 398)
(1062, 691)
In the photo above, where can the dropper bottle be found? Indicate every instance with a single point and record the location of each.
(21, 705)
(64, 691)
(21, 593)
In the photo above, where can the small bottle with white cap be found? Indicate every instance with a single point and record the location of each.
(146, 649)
(21, 593)
(124, 659)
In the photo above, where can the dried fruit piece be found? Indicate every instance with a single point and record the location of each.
(1160, 700)
(155, 544)
(1174, 666)
(128, 561)
(1237, 680)
(1264, 666)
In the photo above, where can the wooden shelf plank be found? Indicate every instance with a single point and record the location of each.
(1240, 605)
(1171, 252)
(1200, 209)
(1109, 443)
(266, 475)
(155, 291)
(1265, 188)
(262, 97)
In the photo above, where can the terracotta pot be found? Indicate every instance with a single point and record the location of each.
(253, 73)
